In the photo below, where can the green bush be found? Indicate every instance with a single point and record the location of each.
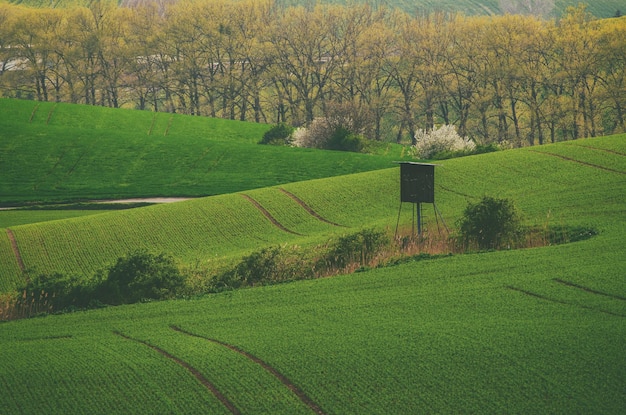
(359, 248)
(343, 140)
(58, 291)
(268, 265)
(141, 276)
(490, 223)
(278, 135)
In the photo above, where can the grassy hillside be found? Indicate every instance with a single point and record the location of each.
(601, 8)
(58, 152)
(223, 228)
(528, 331)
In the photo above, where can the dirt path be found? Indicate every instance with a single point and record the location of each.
(145, 200)
(282, 378)
(269, 215)
(16, 250)
(204, 381)
(308, 208)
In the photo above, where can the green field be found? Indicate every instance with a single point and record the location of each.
(524, 331)
(61, 152)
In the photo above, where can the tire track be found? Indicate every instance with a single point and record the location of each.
(587, 289)
(456, 192)
(282, 378)
(555, 300)
(204, 381)
(584, 163)
(269, 215)
(309, 209)
(16, 251)
(606, 150)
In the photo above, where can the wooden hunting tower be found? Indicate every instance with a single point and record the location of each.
(417, 186)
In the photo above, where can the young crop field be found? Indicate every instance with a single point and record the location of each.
(543, 182)
(519, 331)
(59, 152)
(9, 218)
(486, 333)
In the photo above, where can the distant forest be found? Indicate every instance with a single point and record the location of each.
(514, 79)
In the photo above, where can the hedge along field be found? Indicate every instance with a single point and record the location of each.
(223, 228)
(523, 331)
(58, 152)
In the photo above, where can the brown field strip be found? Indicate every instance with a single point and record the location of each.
(16, 250)
(204, 381)
(282, 378)
(308, 208)
(579, 161)
(269, 215)
(555, 300)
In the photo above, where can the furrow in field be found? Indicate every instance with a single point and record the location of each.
(556, 300)
(204, 381)
(607, 150)
(308, 208)
(16, 250)
(587, 289)
(447, 189)
(578, 161)
(282, 378)
(269, 215)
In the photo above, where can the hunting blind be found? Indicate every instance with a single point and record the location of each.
(417, 186)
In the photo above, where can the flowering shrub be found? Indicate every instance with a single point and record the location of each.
(327, 133)
(440, 140)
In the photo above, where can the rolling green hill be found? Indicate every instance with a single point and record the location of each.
(225, 227)
(523, 331)
(58, 152)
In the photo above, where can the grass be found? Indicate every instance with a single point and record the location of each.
(224, 228)
(63, 152)
(523, 331)
(447, 335)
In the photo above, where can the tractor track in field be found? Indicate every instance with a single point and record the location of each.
(204, 381)
(584, 163)
(447, 189)
(282, 378)
(309, 209)
(606, 150)
(589, 290)
(16, 250)
(269, 215)
(557, 301)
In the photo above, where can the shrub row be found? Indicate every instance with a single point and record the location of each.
(490, 223)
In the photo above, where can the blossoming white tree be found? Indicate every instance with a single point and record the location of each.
(437, 140)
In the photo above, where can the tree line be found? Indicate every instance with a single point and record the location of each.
(515, 79)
